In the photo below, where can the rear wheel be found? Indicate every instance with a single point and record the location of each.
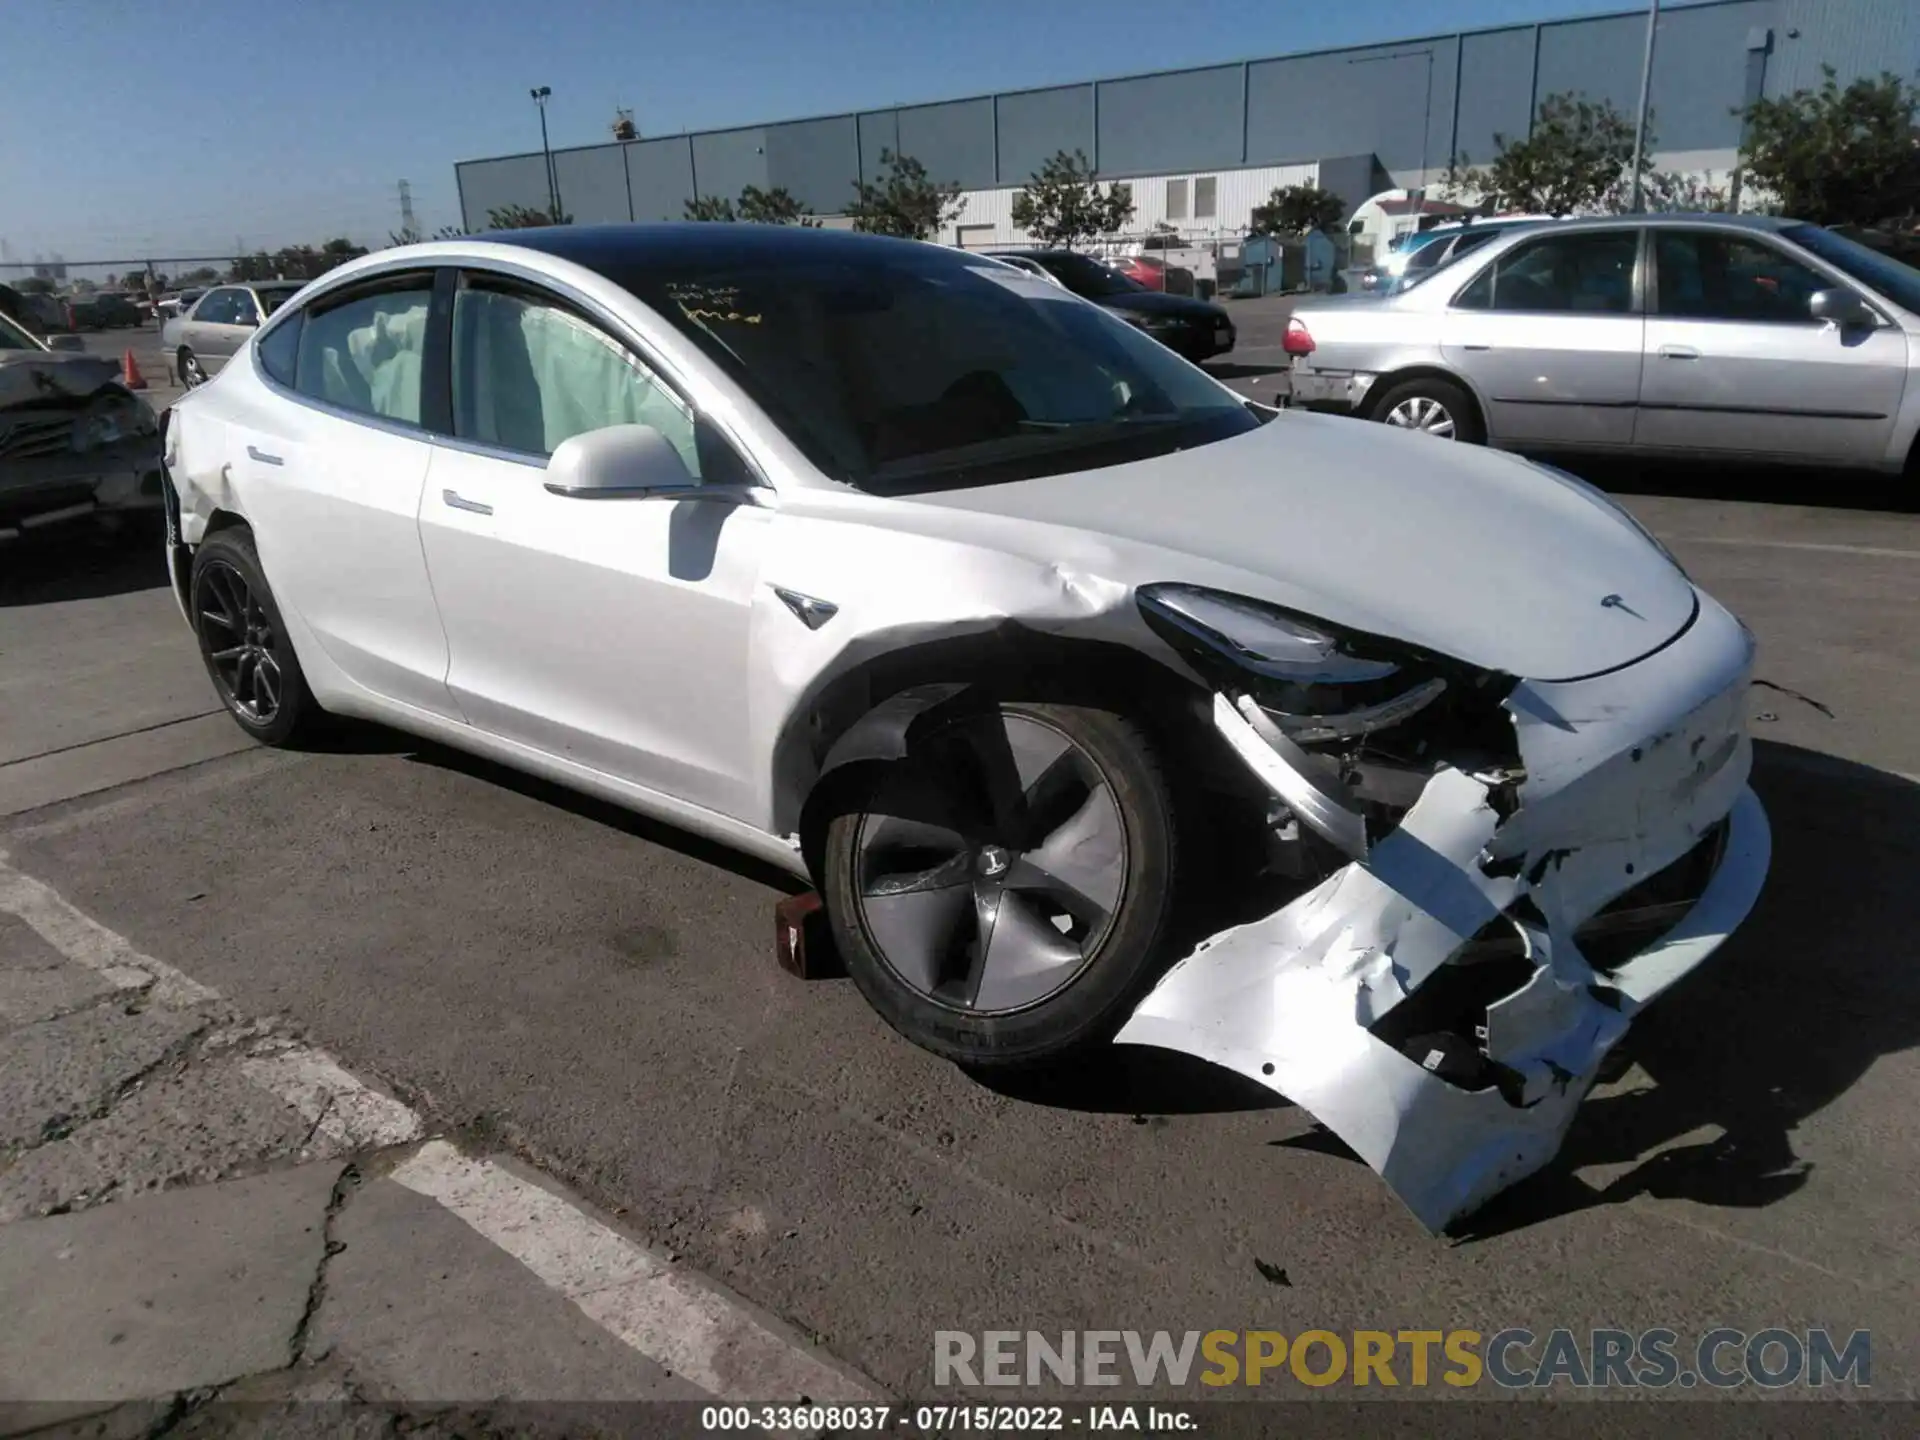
(1433, 407)
(245, 644)
(1000, 895)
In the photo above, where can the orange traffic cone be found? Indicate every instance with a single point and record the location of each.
(131, 368)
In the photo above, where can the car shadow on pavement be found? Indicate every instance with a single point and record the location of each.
(1242, 370)
(604, 813)
(1787, 1017)
(1826, 489)
(82, 562)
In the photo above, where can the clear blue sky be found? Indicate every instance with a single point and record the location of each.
(136, 128)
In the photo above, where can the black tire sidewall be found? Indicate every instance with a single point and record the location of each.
(1101, 996)
(235, 548)
(1467, 429)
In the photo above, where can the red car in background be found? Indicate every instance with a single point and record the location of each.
(1141, 269)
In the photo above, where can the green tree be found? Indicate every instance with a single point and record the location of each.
(711, 207)
(1062, 204)
(904, 202)
(1575, 161)
(1834, 156)
(774, 207)
(1298, 209)
(1670, 191)
(524, 217)
(205, 275)
(35, 285)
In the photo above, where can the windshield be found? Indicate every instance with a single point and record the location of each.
(1899, 283)
(12, 337)
(911, 369)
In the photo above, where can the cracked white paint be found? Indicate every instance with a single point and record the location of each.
(336, 1104)
(652, 1305)
(1625, 774)
(87, 942)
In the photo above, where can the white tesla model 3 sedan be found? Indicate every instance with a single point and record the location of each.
(1001, 624)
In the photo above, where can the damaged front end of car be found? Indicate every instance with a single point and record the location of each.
(1500, 873)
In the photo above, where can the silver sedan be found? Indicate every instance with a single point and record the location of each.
(200, 340)
(1737, 336)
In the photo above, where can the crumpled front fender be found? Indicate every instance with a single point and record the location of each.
(1626, 774)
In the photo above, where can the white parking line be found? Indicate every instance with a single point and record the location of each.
(689, 1327)
(659, 1311)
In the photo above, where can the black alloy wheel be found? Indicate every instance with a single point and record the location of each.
(999, 895)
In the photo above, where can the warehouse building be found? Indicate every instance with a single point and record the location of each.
(1202, 147)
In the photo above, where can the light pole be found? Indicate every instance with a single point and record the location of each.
(540, 94)
(1640, 123)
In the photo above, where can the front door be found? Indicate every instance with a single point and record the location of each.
(612, 633)
(1736, 364)
(1550, 334)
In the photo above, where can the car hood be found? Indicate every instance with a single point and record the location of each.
(39, 377)
(1469, 552)
(1156, 302)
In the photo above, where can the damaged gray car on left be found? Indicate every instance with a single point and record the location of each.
(75, 443)
(1002, 626)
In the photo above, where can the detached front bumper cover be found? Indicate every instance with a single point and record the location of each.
(1627, 774)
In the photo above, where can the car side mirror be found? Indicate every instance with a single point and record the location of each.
(66, 342)
(621, 462)
(1841, 307)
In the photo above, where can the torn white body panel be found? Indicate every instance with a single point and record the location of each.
(1626, 774)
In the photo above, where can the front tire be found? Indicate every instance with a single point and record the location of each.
(1431, 406)
(1001, 895)
(244, 642)
(191, 374)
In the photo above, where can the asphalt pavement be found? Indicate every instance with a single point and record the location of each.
(590, 1001)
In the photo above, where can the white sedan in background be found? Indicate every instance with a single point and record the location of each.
(1001, 624)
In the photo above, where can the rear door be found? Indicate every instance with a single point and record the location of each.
(1550, 334)
(1736, 364)
(332, 474)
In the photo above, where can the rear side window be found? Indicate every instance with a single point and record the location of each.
(280, 349)
(365, 353)
(1588, 273)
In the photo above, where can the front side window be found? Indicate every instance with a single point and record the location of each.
(364, 353)
(913, 368)
(1589, 272)
(1899, 282)
(245, 312)
(1704, 275)
(529, 374)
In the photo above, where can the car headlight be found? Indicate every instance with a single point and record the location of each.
(1606, 501)
(96, 430)
(1315, 683)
